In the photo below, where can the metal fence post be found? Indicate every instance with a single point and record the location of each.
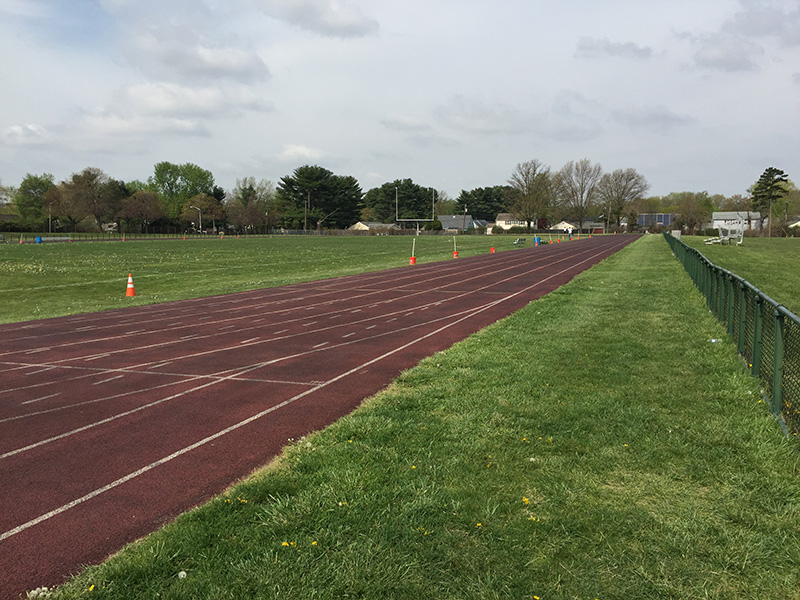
(777, 370)
(742, 315)
(757, 310)
(731, 303)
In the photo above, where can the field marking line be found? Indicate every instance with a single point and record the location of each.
(7, 534)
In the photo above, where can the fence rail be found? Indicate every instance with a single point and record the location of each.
(767, 333)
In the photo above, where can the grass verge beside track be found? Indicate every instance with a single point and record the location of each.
(596, 444)
(48, 280)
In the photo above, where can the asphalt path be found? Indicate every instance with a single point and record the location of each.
(114, 423)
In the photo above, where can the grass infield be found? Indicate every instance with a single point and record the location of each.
(595, 444)
(767, 263)
(55, 279)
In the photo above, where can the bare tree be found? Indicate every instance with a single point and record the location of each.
(532, 191)
(618, 190)
(576, 187)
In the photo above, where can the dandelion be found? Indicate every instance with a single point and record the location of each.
(314, 543)
(284, 543)
(413, 466)
(479, 525)
(525, 500)
(91, 587)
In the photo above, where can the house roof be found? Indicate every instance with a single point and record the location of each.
(456, 221)
(734, 215)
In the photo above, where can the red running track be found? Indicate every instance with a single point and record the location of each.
(113, 423)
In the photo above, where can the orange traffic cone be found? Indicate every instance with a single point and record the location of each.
(131, 291)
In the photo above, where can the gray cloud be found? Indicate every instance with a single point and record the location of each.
(602, 47)
(325, 17)
(573, 118)
(470, 115)
(762, 20)
(655, 118)
(724, 52)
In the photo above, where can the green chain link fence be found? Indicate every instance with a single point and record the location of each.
(767, 333)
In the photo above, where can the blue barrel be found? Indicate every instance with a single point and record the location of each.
(38, 240)
(537, 240)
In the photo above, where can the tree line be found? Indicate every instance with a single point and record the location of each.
(186, 197)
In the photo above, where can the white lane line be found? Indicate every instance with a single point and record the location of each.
(95, 357)
(107, 420)
(42, 398)
(93, 494)
(255, 339)
(40, 371)
(320, 345)
(347, 335)
(36, 350)
(371, 327)
(280, 332)
(107, 380)
(95, 400)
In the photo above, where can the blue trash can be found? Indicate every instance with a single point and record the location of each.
(38, 240)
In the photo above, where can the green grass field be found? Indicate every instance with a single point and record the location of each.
(770, 264)
(47, 280)
(594, 445)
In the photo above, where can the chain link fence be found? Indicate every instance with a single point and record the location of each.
(767, 333)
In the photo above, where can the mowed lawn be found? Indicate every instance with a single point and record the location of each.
(56, 279)
(595, 444)
(770, 264)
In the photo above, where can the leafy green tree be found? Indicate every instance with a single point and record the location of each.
(693, 210)
(770, 188)
(576, 188)
(29, 198)
(69, 207)
(618, 190)
(313, 196)
(402, 198)
(175, 184)
(532, 194)
(485, 203)
(96, 193)
(142, 208)
(203, 208)
(251, 203)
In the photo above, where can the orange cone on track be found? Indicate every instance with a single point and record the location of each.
(131, 291)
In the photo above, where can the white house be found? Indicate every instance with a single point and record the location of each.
(371, 225)
(507, 221)
(731, 219)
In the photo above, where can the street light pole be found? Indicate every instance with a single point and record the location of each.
(200, 214)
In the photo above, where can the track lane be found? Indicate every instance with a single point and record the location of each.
(329, 331)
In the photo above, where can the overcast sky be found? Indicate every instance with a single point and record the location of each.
(450, 93)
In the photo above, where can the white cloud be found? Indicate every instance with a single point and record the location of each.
(26, 135)
(165, 54)
(29, 9)
(298, 152)
(170, 99)
(338, 18)
(115, 126)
